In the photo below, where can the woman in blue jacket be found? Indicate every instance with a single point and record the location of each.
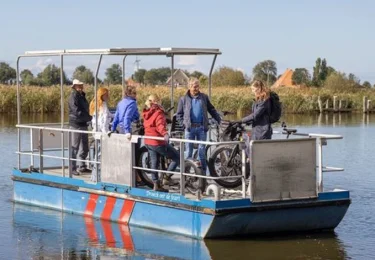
(126, 112)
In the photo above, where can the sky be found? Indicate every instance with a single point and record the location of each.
(293, 33)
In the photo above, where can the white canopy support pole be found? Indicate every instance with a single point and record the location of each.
(62, 101)
(123, 75)
(96, 114)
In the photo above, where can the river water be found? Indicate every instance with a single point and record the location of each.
(33, 233)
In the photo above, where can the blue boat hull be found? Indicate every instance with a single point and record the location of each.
(175, 213)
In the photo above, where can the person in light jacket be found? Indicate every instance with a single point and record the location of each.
(104, 119)
(155, 124)
(261, 110)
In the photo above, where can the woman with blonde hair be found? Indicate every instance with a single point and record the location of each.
(104, 119)
(155, 124)
(105, 115)
(261, 111)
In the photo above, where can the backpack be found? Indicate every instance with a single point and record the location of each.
(275, 107)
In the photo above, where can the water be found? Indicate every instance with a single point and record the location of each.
(34, 233)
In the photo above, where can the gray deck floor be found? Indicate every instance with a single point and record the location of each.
(226, 194)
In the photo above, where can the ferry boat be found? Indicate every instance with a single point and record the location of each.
(283, 194)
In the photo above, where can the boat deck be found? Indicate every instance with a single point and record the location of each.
(226, 194)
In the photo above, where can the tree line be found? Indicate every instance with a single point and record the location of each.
(322, 76)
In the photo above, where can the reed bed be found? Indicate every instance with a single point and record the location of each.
(230, 98)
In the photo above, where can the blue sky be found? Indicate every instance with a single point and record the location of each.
(292, 33)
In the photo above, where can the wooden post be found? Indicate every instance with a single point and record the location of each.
(340, 104)
(368, 105)
(327, 104)
(364, 104)
(334, 103)
(320, 105)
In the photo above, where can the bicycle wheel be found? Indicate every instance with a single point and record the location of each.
(218, 166)
(144, 162)
(194, 184)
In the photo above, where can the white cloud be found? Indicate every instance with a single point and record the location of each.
(41, 64)
(188, 60)
(241, 69)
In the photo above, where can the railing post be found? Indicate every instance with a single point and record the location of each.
(244, 173)
(70, 154)
(31, 147)
(182, 168)
(40, 150)
(320, 163)
(133, 175)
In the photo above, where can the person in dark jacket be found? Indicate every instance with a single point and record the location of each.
(155, 124)
(79, 118)
(192, 114)
(261, 110)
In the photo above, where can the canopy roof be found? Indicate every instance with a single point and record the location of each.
(127, 51)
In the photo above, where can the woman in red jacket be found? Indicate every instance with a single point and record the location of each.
(155, 124)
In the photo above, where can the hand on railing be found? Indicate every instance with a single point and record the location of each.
(166, 138)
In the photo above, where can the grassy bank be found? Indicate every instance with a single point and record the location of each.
(47, 99)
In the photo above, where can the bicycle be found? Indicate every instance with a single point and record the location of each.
(192, 184)
(227, 160)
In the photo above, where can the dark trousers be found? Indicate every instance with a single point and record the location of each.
(80, 147)
(167, 151)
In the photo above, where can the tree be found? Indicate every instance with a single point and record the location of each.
(84, 74)
(139, 76)
(27, 77)
(337, 82)
(366, 84)
(315, 80)
(330, 70)
(195, 74)
(157, 76)
(225, 76)
(203, 80)
(323, 71)
(51, 76)
(114, 74)
(265, 71)
(7, 73)
(354, 80)
(301, 76)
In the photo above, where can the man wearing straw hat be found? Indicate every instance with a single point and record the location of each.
(78, 120)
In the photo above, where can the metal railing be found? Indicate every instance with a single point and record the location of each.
(41, 155)
(321, 140)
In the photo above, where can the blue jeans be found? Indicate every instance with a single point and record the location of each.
(197, 133)
(168, 151)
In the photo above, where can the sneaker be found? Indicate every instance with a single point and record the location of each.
(169, 182)
(140, 184)
(75, 172)
(158, 187)
(84, 170)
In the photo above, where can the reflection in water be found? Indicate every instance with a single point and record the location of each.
(46, 234)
